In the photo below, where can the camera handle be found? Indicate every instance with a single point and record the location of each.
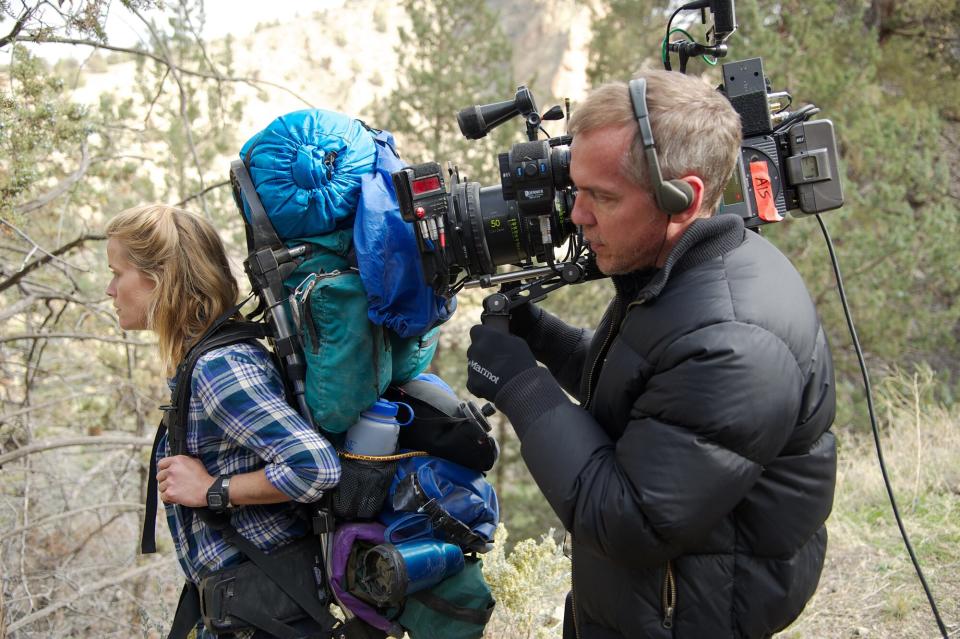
(497, 306)
(496, 312)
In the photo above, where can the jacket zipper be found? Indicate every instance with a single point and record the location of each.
(614, 311)
(573, 595)
(669, 594)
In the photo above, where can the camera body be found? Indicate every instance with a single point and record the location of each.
(786, 164)
(465, 232)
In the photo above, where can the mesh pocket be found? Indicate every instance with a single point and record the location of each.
(364, 485)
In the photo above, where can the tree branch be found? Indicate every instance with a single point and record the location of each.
(40, 39)
(122, 506)
(60, 188)
(80, 336)
(6, 417)
(83, 592)
(184, 117)
(17, 27)
(40, 261)
(202, 193)
(100, 440)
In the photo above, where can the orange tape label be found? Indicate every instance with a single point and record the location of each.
(763, 192)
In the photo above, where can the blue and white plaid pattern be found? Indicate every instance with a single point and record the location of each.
(240, 422)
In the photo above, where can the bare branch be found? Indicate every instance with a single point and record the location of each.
(85, 591)
(40, 261)
(38, 38)
(60, 188)
(156, 97)
(81, 336)
(100, 440)
(18, 307)
(6, 417)
(17, 27)
(203, 192)
(184, 117)
(122, 506)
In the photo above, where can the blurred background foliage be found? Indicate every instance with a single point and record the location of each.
(885, 72)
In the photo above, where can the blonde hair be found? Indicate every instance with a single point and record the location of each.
(183, 255)
(696, 129)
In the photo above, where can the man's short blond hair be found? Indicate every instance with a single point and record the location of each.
(696, 129)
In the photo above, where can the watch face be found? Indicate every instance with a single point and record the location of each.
(215, 501)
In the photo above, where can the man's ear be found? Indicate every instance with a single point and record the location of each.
(692, 211)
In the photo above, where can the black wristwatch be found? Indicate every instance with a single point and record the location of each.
(218, 495)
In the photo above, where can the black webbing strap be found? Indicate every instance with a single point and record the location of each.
(264, 235)
(410, 497)
(262, 621)
(306, 599)
(444, 607)
(188, 612)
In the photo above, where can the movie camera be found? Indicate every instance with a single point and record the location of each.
(465, 233)
(786, 164)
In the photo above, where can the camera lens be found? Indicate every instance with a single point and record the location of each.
(486, 228)
(560, 165)
(486, 231)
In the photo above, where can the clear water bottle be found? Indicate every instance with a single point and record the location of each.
(377, 431)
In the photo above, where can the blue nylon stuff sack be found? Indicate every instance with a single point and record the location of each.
(387, 253)
(432, 497)
(307, 167)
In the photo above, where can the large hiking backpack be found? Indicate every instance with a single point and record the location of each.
(309, 185)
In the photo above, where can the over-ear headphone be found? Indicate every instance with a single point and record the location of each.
(673, 196)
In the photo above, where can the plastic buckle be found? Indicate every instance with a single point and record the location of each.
(323, 522)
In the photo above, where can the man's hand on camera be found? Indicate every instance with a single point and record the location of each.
(524, 318)
(493, 359)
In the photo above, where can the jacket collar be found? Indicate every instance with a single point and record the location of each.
(704, 239)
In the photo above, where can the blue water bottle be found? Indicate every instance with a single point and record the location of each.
(391, 572)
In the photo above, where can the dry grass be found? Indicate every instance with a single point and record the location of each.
(869, 587)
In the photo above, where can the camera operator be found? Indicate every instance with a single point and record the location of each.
(696, 469)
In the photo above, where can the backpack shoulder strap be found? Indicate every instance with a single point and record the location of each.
(175, 417)
(174, 420)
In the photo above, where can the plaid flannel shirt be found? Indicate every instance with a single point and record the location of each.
(239, 422)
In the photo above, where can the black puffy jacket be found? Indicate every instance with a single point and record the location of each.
(697, 472)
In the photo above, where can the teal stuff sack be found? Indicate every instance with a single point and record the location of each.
(459, 607)
(412, 355)
(348, 357)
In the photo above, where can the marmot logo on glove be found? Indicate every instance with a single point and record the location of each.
(480, 369)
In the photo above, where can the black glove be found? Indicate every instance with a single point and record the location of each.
(524, 318)
(493, 359)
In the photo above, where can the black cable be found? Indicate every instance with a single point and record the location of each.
(666, 41)
(876, 429)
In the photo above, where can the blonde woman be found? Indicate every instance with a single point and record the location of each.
(247, 449)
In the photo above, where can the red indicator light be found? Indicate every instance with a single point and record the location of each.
(420, 212)
(426, 184)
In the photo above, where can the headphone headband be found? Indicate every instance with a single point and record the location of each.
(673, 196)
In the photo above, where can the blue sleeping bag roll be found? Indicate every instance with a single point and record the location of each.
(307, 167)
